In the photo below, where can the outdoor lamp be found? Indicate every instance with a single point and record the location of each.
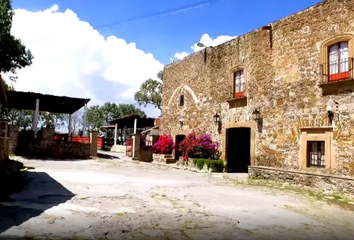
(181, 122)
(256, 115)
(217, 118)
(330, 113)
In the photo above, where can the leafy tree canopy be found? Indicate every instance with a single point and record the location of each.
(98, 116)
(13, 54)
(150, 92)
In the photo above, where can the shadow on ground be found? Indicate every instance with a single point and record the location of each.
(40, 194)
(107, 156)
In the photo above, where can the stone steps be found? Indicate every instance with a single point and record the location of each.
(170, 160)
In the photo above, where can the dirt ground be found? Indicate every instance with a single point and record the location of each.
(116, 198)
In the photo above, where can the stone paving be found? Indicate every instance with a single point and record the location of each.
(115, 198)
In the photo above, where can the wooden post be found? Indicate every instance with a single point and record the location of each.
(69, 130)
(84, 124)
(115, 133)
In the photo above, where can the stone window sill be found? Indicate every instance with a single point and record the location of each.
(234, 100)
(337, 87)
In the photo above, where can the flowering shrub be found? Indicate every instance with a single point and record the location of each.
(187, 146)
(205, 147)
(165, 145)
(201, 147)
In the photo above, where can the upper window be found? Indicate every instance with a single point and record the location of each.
(239, 82)
(181, 100)
(338, 61)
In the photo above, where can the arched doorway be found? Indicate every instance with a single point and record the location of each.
(178, 136)
(178, 139)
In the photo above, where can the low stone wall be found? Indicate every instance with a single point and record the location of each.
(145, 154)
(43, 149)
(323, 182)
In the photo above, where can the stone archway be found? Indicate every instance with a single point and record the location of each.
(252, 126)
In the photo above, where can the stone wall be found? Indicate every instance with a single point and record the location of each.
(145, 153)
(4, 149)
(4, 143)
(283, 80)
(44, 148)
(13, 137)
(321, 181)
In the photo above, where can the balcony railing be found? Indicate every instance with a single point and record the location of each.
(337, 71)
(235, 95)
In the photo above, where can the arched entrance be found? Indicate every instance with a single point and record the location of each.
(178, 137)
(239, 146)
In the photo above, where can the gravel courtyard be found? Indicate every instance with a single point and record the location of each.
(115, 198)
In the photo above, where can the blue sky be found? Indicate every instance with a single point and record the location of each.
(165, 36)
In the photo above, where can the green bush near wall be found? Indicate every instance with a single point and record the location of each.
(214, 165)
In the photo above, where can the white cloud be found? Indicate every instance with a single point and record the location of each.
(207, 41)
(181, 55)
(73, 59)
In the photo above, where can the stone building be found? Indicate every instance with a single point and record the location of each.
(296, 72)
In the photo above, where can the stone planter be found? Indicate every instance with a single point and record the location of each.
(163, 158)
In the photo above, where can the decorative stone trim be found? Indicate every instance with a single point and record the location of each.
(316, 134)
(324, 182)
(252, 126)
(185, 87)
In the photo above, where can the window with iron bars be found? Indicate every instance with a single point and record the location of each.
(316, 154)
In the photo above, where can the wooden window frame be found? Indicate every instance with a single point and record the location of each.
(238, 95)
(324, 54)
(340, 75)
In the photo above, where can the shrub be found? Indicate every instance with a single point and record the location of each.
(214, 165)
(187, 146)
(205, 147)
(164, 145)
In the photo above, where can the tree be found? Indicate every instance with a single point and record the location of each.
(94, 118)
(150, 92)
(52, 120)
(76, 122)
(13, 54)
(98, 116)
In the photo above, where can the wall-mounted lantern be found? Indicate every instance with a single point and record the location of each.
(181, 122)
(216, 118)
(330, 111)
(256, 115)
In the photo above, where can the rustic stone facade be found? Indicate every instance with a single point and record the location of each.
(283, 69)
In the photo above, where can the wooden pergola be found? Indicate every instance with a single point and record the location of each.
(42, 102)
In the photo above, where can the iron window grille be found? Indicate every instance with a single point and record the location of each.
(316, 154)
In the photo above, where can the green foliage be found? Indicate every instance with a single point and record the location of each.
(98, 116)
(214, 165)
(94, 118)
(150, 92)
(52, 120)
(13, 54)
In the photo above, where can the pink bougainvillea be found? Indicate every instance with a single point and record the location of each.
(165, 145)
(202, 146)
